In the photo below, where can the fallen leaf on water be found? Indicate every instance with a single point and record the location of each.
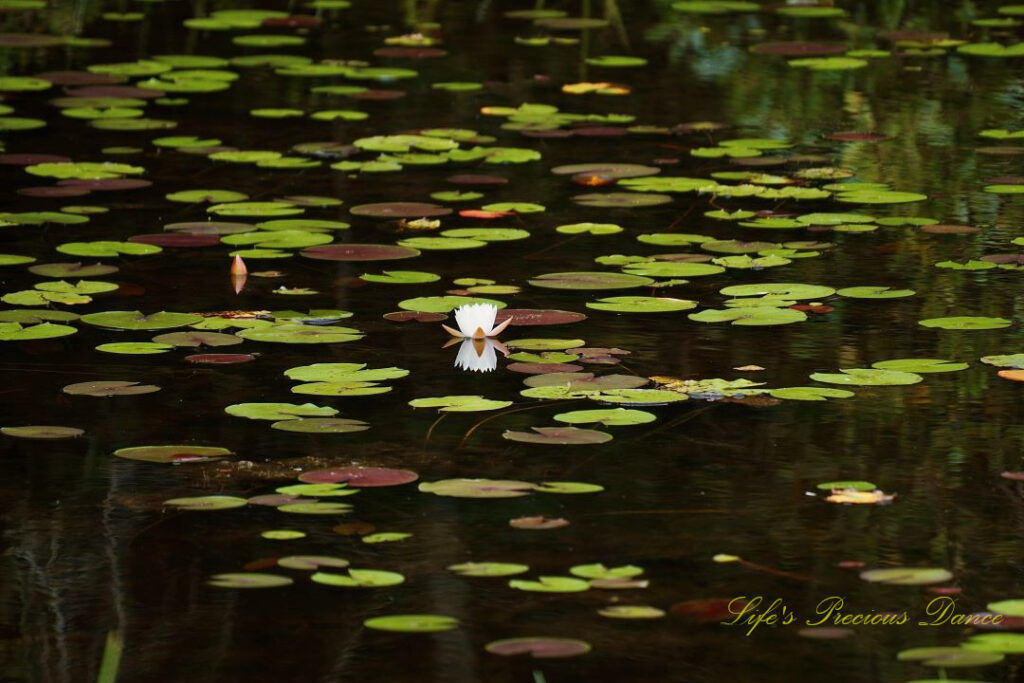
(749, 368)
(845, 496)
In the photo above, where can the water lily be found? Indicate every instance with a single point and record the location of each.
(476, 321)
(477, 355)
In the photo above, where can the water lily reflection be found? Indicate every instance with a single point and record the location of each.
(477, 355)
(476, 321)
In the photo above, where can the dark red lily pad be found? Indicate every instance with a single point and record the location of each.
(476, 179)
(176, 239)
(1005, 259)
(278, 499)
(220, 358)
(107, 184)
(114, 91)
(559, 436)
(410, 52)
(29, 40)
(586, 381)
(547, 133)
(107, 388)
(599, 131)
(542, 368)
(79, 78)
(1013, 476)
(798, 48)
(856, 136)
(378, 95)
(708, 610)
(538, 522)
(414, 316)
(209, 227)
(294, 21)
(1006, 180)
(610, 169)
(940, 229)
(360, 477)
(914, 36)
(28, 159)
(539, 647)
(50, 191)
(825, 632)
(621, 200)
(400, 210)
(359, 252)
(524, 317)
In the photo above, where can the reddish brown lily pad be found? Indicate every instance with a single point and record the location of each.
(410, 52)
(538, 522)
(609, 170)
(359, 477)
(197, 338)
(278, 499)
(539, 647)
(209, 227)
(29, 40)
(79, 78)
(28, 159)
(708, 610)
(400, 210)
(109, 388)
(414, 316)
(169, 455)
(525, 317)
(180, 240)
(586, 381)
(542, 368)
(107, 184)
(359, 252)
(378, 95)
(49, 191)
(559, 436)
(114, 91)
(940, 229)
(220, 358)
(856, 136)
(476, 179)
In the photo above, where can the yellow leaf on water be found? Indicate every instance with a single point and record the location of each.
(847, 496)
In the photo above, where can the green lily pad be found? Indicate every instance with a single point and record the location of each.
(785, 290)
(487, 234)
(401, 277)
(1003, 643)
(966, 323)
(809, 393)
(108, 248)
(906, 576)
(920, 365)
(207, 503)
(444, 304)
(752, 316)
(607, 417)
(359, 578)
(412, 623)
(641, 304)
(631, 612)
(136, 320)
(874, 292)
(198, 196)
(278, 411)
(1011, 608)
(386, 537)
(135, 348)
(13, 331)
(249, 580)
(868, 377)
(671, 269)
(589, 229)
(599, 571)
(1012, 360)
(321, 425)
(589, 281)
(840, 485)
(42, 432)
(551, 584)
(637, 397)
(441, 243)
(477, 488)
(879, 197)
(297, 333)
(459, 404)
(488, 568)
(945, 657)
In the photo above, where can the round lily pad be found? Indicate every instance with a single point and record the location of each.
(559, 436)
(321, 425)
(42, 432)
(207, 503)
(539, 647)
(360, 477)
(589, 280)
(173, 455)
(641, 304)
(607, 416)
(359, 578)
(359, 252)
(966, 323)
(136, 320)
(109, 388)
(920, 365)
(906, 576)
(488, 569)
(413, 623)
(249, 580)
(400, 210)
(477, 488)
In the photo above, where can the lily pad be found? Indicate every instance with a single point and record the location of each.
(966, 323)
(278, 411)
(589, 281)
(906, 576)
(413, 623)
(868, 377)
(477, 488)
(207, 503)
(173, 455)
(459, 404)
(607, 417)
(488, 569)
(136, 320)
(249, 580)
(641, 304)
(559, 436)
(359, 252)
(42, 432)
(920, 365)
(359, 578)
(539, 647)
(360, 477)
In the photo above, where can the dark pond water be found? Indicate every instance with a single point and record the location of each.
(94, 562)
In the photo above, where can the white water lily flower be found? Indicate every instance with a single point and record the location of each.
(477, 355)
(476, 321)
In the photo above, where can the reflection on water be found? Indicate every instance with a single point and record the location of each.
(88, 551)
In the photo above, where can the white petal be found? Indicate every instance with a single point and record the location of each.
(476, 356)
(475, 316)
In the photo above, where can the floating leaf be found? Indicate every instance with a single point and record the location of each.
(488, 569)
(589, 280)
(608, 417)
(872, 292)
(321, 425)
(136, 320)
(920, 365)
(249, 580)
(550, 584)
(966, 323)
(868, 377)
(413, 623)
(539, 647)
(109, 388)
(560, 436)
(207, 503)
(42, 432)
(173, 455)
(477, 488)
(278, 411)
(385, 537)
(948, 657)
(642, 304)
(359, 578)
(809, 393)
(906, 576)
(459, 404)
